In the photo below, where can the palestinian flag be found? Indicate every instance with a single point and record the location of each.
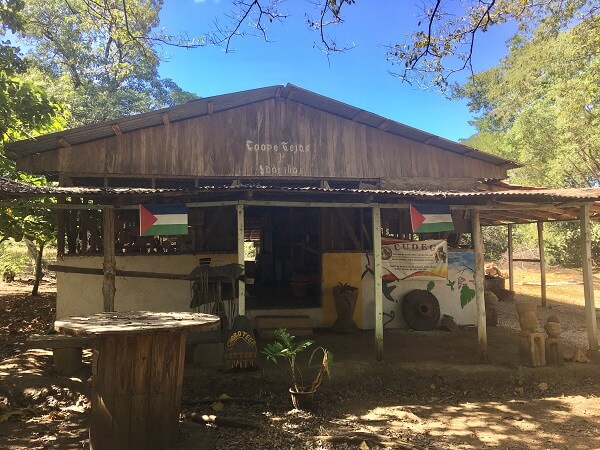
(430, 218)
(163, 220)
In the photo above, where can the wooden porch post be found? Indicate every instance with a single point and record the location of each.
(240, 256)
(377, 275)
(479, 285)
(540, 230)
(511, 264)
(588, 281)
(109, 265)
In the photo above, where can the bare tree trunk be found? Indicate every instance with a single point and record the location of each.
(38, 269)
(31, 249)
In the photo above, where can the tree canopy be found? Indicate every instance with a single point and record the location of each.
(95, 60)
(23, 105)
(540, 107)
(100, 57)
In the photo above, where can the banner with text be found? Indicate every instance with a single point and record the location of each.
(414, 260)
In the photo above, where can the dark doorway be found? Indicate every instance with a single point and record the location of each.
(285, 245)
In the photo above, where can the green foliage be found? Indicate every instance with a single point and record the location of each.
(466, 295)
(518, 378)
(430, 286)
(286, 347)
(495, 240)
(23, 105)
(34, 223)
(563, 244)
(13, 257)
(100, 57)
(540, 106)
(25, 110)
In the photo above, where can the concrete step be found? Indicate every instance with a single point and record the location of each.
(289, 322)
(269, 333)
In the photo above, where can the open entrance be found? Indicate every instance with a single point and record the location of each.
(282, 257)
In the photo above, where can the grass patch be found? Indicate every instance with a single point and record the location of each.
(15, 257)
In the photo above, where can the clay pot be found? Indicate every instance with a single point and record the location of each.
(302, 399)
(553, 329)
(344, 298)
(528, 319)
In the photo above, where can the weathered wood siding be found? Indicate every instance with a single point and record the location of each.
(272, 138)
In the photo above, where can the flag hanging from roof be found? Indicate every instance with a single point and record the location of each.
(430, 218)
(163, 220)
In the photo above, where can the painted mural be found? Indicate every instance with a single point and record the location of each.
(456, 293)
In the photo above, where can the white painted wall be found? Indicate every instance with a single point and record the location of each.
(79, 294)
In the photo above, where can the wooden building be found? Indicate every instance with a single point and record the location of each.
(307, 183)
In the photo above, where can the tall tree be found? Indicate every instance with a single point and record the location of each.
(540, 106)
(23, 105)
(25, 110)
(100, 56)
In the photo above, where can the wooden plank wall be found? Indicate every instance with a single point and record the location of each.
(272, 138)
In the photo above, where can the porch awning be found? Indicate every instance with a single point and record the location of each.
(498, 203)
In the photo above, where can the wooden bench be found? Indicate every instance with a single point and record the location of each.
(67, 350)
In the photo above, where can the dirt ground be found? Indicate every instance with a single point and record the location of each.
(429, 392)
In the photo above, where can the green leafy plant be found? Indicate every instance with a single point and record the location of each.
(466, 295)
(346, 287)
(286, 347)
(518, 378)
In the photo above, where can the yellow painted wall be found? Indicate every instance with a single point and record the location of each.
(340, 268)
(79, 294)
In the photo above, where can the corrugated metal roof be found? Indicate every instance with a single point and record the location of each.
(500, 207)
(223, 102)
(18, 189)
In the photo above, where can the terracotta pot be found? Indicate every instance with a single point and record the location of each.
(344, 298)
(302, 399)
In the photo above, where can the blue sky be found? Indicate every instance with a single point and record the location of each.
(359, 76)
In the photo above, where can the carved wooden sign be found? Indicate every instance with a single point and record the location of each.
(240, 347)
(282, 158)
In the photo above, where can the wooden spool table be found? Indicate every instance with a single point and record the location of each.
(137, 375)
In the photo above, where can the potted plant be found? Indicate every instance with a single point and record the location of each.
(286, 347)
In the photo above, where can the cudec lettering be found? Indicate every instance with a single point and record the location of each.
(413, 246)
